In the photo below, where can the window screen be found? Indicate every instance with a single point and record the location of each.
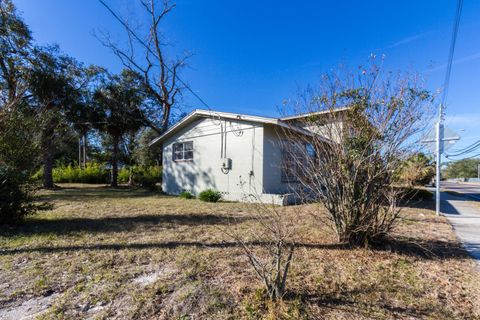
(183, 151)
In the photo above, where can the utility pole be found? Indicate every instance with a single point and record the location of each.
(80, 153)
(438, 142)
(84, 151)
(438, 147)
(478, 172)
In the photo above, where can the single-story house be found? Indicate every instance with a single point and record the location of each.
(237, 154)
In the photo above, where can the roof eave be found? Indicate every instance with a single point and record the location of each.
(315, 113)
(213, 114)
(227, 115)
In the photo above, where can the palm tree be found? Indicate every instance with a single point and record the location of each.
(53, 83)
(118, 112)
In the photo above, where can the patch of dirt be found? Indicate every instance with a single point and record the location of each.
(192, 300)
(149, 278)
(28, 309)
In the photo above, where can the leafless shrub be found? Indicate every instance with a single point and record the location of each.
(268, 243)
(362, 125)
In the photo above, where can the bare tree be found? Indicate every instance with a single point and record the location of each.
(365, 125)
(145, 54)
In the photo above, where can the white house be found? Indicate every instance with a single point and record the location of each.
(236, 154)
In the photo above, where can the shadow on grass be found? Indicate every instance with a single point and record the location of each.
(409, 247)
(65, 226)
(419, 204)
(158, 245)
(98, 192)
(427, 249)
(350, 301)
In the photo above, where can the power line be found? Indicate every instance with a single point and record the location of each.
(471, 157)
(469, 149)
(450, 54)
(439, 125)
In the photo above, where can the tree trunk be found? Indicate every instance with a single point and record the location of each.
(47, 153)
(114, 177)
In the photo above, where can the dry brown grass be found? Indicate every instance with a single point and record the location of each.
(103, 253)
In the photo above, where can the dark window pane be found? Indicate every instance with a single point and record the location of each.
(178, 147)
(178, 155)
(188, 146)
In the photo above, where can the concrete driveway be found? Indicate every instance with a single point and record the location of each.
(464, 214)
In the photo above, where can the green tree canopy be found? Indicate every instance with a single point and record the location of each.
(118, 111)
(465, 168)
(418, 169)
(54, 82)
(15, 41)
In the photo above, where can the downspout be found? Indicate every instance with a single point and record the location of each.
(251, 174)
(221, 141)
(225, 141)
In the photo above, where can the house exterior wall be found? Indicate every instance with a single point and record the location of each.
(332, 130)
(272, 165)
(242, 142)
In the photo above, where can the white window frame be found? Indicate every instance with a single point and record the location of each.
(182, 151)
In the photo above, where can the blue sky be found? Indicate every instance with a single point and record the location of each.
(251, 55)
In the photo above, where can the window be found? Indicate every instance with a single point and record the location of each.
(310, 150)
(296, 159)
(289, 162)
(289, 169)
(183, 151)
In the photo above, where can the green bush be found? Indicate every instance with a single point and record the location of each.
(16, 199)
(124, 175)
(143, 176)
(37, 176)
(210, 195)
(95, 172)
(186, 195)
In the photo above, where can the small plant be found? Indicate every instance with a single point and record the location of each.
(186, 195)
(210, 195)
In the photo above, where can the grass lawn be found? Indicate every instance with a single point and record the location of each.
(103, 253)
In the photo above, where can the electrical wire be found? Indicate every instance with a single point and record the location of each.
(471, 157)
(468, 147)
(450, 55)
(473, 147)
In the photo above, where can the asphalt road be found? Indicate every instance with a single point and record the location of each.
(471, 190)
